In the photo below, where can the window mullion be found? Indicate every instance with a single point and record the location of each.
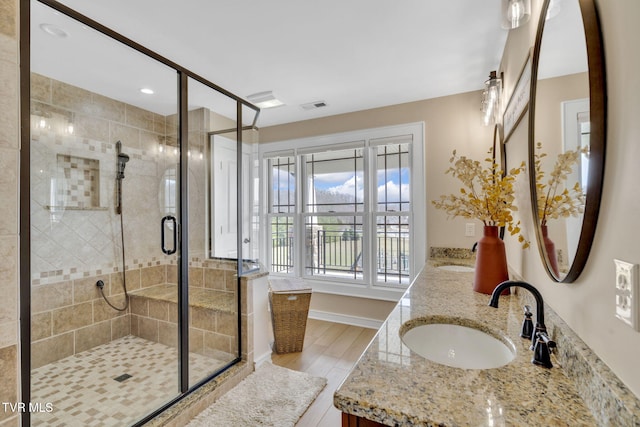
(299, 220)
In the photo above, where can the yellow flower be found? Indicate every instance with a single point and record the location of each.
(554, 200)
(487, 194)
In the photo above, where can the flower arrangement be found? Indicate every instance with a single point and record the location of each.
(487, 194)
(556, 201)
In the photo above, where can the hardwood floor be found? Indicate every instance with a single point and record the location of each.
(330, 350)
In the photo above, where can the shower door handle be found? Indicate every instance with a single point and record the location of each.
(175, 234)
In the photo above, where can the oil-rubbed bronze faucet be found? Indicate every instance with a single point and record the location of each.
(542, 344)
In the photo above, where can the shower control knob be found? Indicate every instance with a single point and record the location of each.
(246, 240)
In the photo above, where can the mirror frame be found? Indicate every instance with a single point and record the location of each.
(499, 145)
(598, 110)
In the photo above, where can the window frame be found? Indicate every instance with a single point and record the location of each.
(368, 139)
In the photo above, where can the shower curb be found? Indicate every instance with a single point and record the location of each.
(186, 409)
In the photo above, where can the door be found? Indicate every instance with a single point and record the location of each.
(224, 161)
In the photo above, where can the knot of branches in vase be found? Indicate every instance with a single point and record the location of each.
(487, 194)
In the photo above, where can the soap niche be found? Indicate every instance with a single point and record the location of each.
(81, 189)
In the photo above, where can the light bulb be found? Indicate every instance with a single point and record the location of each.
(515, 12)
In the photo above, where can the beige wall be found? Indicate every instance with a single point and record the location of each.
(355, 307)
(9, 165)
(588, 305)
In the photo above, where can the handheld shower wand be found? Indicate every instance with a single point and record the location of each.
(122, 160)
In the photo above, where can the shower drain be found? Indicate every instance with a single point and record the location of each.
(122, 377)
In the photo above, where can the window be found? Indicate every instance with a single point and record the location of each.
(340, 208)
(333, 207)
(282, 196)
(392, 237)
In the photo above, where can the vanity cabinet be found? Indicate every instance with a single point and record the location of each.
(349, 420)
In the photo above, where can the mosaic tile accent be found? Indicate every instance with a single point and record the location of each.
(55, 276)
(83, 391)
(82, 179)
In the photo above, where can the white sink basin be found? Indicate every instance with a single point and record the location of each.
(456, 268)
(458, 346)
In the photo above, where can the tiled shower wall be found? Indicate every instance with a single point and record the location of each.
(76, 243)
(69, 241)
(73, 246)
(9, 155)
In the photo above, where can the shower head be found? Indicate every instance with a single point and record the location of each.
(122, 161)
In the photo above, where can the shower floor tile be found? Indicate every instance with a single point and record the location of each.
(84, 391)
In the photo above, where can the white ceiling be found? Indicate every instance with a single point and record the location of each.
(354, 54)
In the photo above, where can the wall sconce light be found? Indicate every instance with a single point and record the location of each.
(491, 99)
(515, 13)
(68, 127)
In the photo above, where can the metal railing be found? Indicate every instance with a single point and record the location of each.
(281, 252)
(339, 253)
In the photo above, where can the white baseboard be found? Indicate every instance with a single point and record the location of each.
(266, 357)
(363, 322)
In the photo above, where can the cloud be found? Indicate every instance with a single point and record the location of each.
(283, 179)
(349, 187)
(334, 177)
(393, 192)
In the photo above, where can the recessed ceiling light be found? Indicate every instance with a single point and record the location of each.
(54, 30)
(147, 91)
(265, 99)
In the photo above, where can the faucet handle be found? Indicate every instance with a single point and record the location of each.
(527, 323)
(542, 350)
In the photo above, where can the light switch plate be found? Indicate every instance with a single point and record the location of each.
(470, 229)
(627, 293)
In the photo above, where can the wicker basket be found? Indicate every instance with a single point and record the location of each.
(289, 303)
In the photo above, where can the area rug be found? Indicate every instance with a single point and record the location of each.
(270, 396)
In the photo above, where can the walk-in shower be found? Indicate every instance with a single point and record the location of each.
(100, 286)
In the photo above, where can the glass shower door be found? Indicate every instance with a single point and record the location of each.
(105, 158)
(214, 327)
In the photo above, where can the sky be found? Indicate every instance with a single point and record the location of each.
(350, 183)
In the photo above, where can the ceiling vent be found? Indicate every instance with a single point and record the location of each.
(313, 105)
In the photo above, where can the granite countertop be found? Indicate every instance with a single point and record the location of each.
(394, 386)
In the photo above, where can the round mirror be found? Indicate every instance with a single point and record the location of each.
(566, 134)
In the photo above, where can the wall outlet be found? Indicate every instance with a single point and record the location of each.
(627, 293)
(470, 229)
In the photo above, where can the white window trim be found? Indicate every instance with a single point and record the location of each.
(367, 137)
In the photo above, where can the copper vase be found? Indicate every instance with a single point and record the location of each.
(491, 262)
(550, 248)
